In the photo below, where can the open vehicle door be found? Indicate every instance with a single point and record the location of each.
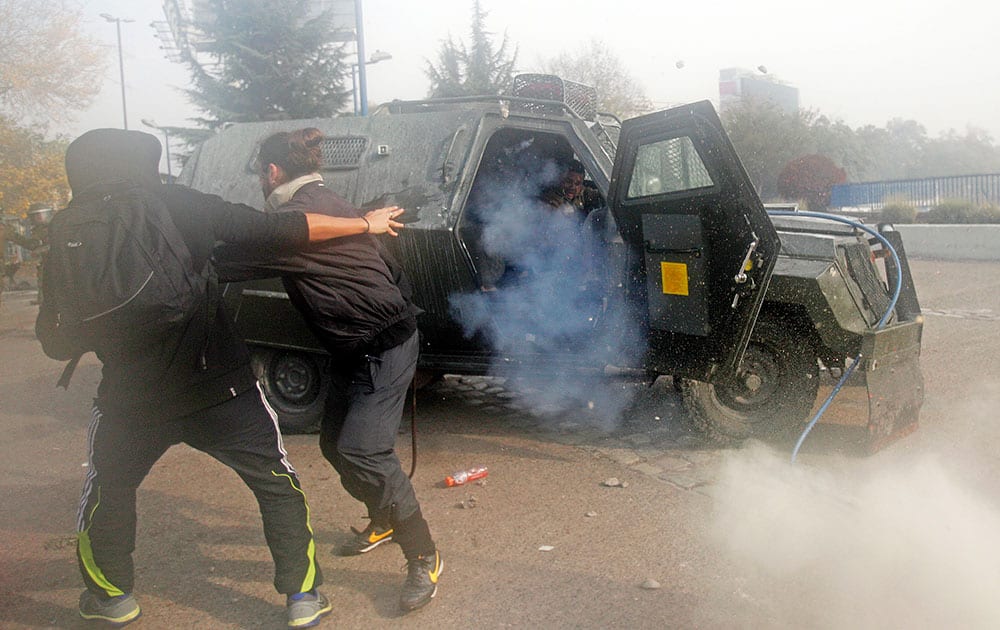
(704, 247)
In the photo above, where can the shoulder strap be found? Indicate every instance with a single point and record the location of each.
(67, 372)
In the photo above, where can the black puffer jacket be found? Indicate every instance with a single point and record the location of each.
(348, 289)
(164, 378)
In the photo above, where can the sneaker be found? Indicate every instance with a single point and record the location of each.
(422, 575)
(117, 611)
(306, 609)
(365, 541)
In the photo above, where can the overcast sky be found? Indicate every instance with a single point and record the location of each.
(861, 61)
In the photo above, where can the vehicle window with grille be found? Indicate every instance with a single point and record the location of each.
(339, 152)
(667, 166)
(343, 151)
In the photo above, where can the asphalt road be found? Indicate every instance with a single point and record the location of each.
(727, 537)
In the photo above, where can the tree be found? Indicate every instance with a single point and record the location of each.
(480, 69)
(32, 169)
(959, 154)
(259, 60)
(595, 65)
(49, 67)
(840, 143)
(810, 177)
(765, 138)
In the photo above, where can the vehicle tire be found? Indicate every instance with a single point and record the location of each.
(773, 393)
(295, 384)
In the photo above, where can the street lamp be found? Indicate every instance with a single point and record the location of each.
(377, 56)
(166, 143)
(121, 61)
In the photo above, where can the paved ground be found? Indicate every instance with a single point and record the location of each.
(732, 537)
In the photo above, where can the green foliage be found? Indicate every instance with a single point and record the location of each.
(898, 212)
(961, 211)
(766, 139)
(32, 169)
(265, 60)
(480, 69)
(595, 65)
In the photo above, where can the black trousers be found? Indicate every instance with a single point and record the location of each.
(242, 433)
(358, 436)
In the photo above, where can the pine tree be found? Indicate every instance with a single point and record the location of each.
(480, 69)
(256, 60)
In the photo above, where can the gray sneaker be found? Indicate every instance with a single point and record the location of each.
(306, 611)
(117, 611)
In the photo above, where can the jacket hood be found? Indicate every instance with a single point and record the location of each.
(107, 155)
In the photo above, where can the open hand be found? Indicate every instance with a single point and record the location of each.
(382, 220)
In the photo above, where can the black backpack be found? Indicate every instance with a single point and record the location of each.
(118, 271)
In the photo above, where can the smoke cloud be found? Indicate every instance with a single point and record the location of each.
(875, 546)
(550, 304)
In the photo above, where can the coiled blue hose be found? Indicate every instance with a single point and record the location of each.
(881, 323)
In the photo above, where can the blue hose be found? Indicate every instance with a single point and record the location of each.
(881, 323)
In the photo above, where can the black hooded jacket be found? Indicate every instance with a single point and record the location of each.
(352, 293)
(165, 378)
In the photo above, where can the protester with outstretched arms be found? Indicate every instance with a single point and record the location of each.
(192, 384)
(355, 299)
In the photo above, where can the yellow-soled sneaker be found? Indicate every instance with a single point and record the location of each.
(366, 540)
(422, 574)
(116, 611)
(306, 609)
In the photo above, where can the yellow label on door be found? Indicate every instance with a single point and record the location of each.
(675, 278)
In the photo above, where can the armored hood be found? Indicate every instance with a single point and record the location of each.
(107, 155)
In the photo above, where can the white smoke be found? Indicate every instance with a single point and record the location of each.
(866, 546)
(549, 304)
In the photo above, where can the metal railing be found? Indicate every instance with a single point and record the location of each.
(926, 192)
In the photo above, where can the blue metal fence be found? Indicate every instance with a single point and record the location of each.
(979, 189)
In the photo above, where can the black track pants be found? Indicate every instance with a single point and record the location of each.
(242, 433)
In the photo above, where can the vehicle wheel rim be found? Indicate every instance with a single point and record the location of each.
(756, 385)
(294, 379)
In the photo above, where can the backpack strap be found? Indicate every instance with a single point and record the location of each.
(67, 372)
(212, 299)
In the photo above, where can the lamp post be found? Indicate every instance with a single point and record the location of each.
(121, 61)
(377, 56)
(166, 143)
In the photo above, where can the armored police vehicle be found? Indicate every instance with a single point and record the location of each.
(665, 264)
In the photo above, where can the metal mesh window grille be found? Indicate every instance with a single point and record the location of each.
(343, 151)
(581, 98)
(667, 166)
(338, 152)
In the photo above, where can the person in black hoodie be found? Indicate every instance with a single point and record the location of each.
(162, 393)
(355, 298)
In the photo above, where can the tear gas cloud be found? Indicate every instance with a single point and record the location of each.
(881, 545)
(550, 274)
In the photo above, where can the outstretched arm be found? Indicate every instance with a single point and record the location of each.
(382, 221)
(236, 263)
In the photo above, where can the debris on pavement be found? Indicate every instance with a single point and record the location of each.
(469, 503)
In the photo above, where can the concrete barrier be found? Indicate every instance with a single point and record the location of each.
(951, 242)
